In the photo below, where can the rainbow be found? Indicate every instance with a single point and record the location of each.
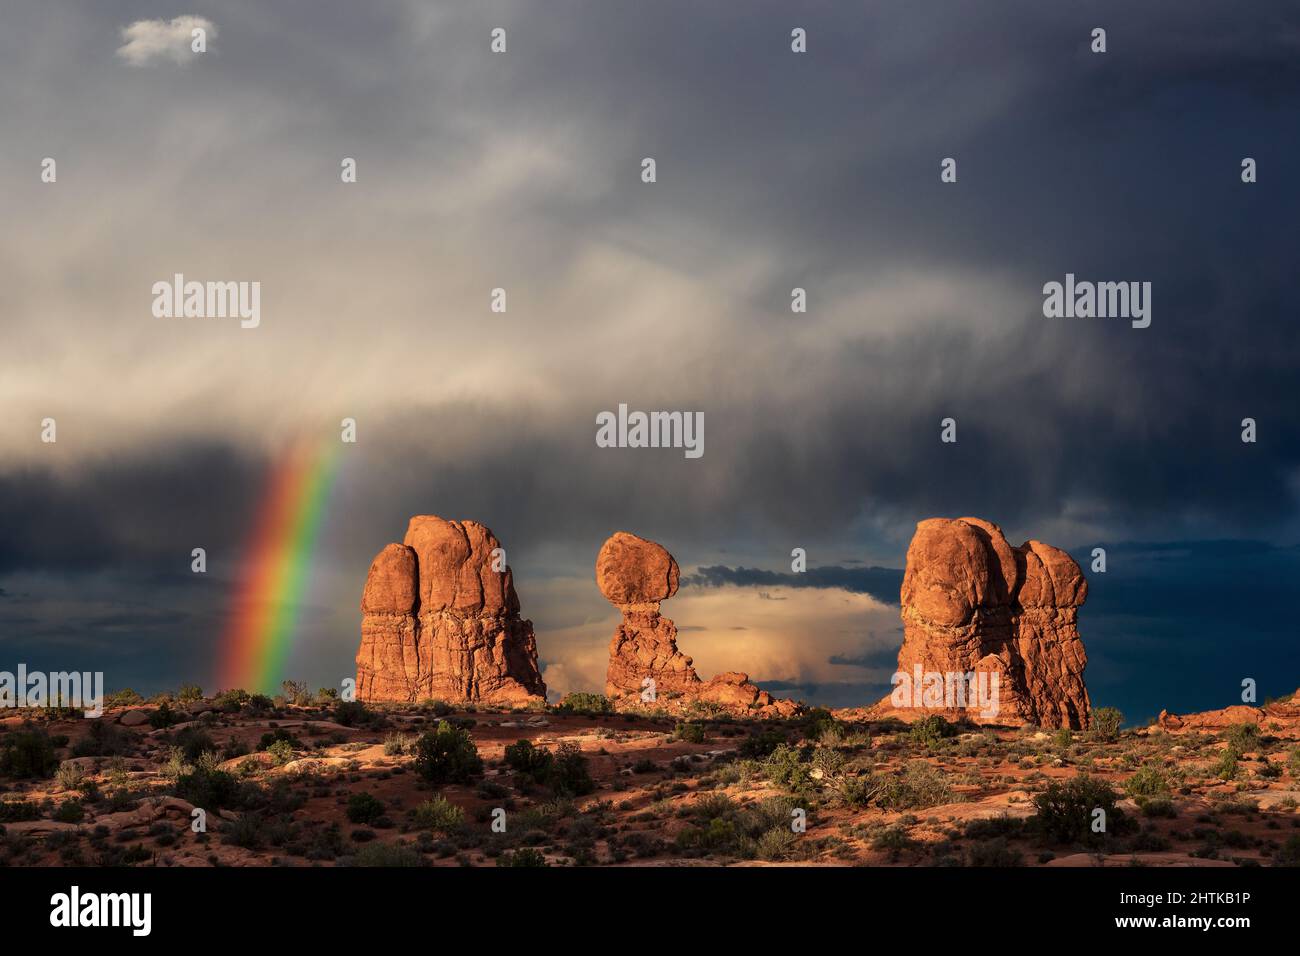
(276, 569)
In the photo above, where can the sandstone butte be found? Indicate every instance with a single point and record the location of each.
(971, 603)
(635, 575)
(439, 622)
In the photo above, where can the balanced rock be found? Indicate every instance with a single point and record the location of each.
(974, 605)
(635, 575)
(441, 620)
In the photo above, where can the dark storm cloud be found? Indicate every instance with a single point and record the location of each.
(881, 583)
(775, 170)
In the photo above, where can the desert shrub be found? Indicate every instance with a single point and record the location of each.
(1105, 724)
(162, 716)
(396, 744)
(776, 844)
(103, 740)
(125, 697)
(351, 713)
(70, 776)
(194, 742)
(1225, 768)
(295, 692)
(856, 792)
(189, 693)
(524, 857)
(690, 732)
(816, 722)
(760, 745)
(69, 811)
(27, 754)
(992, 827)
(16, 811)
(209, 789)
(1063, 738)
(569, 773)
(387, 855)
(917, 787)
(995, 852)
(364, 808)
(1148, 783)
(245, 831)
(1288, 854)
(447, 755)
(281, 751)
(930, 730)
(1065, 810)
(1157, 807)
(786, 768)
(1293, 762)
(581, 702)
(230, 701)
(531, 761)
(438, 814)
(1242, 738)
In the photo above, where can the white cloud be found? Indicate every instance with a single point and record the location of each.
(150, 40)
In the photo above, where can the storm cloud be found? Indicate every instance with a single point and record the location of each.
(522, 171)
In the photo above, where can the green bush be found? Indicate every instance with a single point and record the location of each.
(786, 768)
(194, 742)
(690, 732)
(584, 703)
(760, 745)
(364, 808)
(351, 713)
(1226, 767)
(994, 852)
(209, 789)
(28, 754)
(526, 759)
(1105, 724)
(816, 722)
(917, 787)
(69, 811)
(189, 693)
(17, 811)
(447, 755)
(931, 730)
(162, 716)
(230, 701)
(281, 751)
(1242, 738)
(1147, 784)
(439, 814)
(1065, 810)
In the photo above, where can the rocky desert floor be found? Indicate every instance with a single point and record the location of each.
(254, 781)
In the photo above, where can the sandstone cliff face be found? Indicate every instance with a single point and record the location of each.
(439, 622)
(635, 575)
(973, 603)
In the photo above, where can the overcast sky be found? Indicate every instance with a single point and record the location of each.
(774, 170)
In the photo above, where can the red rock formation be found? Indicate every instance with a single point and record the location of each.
(440, 623)
(973, 604)
(635, 574)
(1280, 715)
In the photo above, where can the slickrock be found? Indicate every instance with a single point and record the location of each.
(1281, 716)
(635, 575)
(972, 604)
(440, 622)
